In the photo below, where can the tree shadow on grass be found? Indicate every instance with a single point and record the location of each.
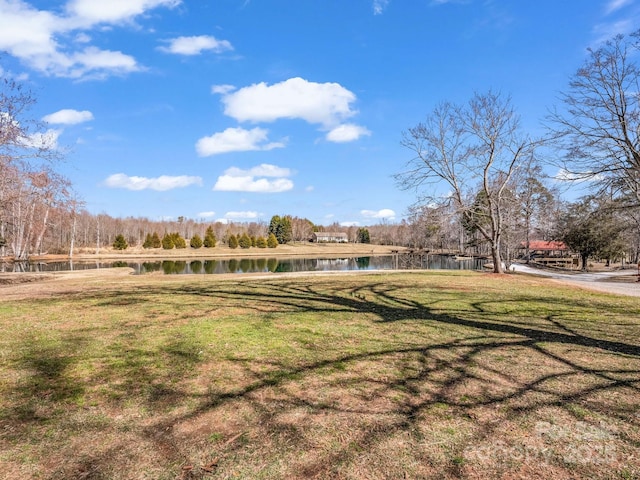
(462, 379)
(48, 381)
(435, 374)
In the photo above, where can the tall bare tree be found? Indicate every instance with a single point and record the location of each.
(535, 202)
(29, 186)
(473, 150)
(599, 129)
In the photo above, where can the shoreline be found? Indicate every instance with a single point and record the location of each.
(310, 250)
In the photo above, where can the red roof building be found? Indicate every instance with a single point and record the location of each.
(544, 246)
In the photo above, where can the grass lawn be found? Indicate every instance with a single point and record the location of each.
(390, 375)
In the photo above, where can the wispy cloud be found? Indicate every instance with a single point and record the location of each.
(248, 215)
(608, 30)
(379, 6)
(209, 214)
(620, 21)
(575, 177)
(615, 5)
(162, 183)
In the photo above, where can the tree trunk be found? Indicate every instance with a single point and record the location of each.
(497, 260)
(97, 235)
(38, 246)
(73, 236)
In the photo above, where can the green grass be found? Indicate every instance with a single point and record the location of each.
(447, 374)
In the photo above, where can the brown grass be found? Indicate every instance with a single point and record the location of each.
(394, 375)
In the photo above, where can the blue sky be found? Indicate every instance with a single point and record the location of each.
(237, 110)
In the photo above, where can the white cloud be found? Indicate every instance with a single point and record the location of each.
(309, 188)
(196, 45)
(236, 140)
(206, 214)
(92, 59)
(47, 41)
(606, 31)
(384, 213)
(566, 176)
(262, 170)
(91, 12)
(241, 215)
(349, 224)
(161, 183)
(68, 117)
(27, 33)
(227, 183)
(347, 132)
(42, 140)
(82, 38)
(614, 5)
(237, 180)
(222, 89)
(379, 6)
(326, 104)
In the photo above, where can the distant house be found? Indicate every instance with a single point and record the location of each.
(329, 237)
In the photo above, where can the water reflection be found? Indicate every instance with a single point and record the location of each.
(264, 265)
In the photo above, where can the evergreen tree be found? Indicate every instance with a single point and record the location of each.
(286, 230)
(209, 238)
(196, 241)
(363, 236)
(120, 243)
(282, 228)
(178, 241)
(261, 242)
(167, 242)
(244, 241)
(155, 240)
(148, 242)
(233, 242)
(274, 224)
(272, 241)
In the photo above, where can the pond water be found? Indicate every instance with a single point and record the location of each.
(257, 265)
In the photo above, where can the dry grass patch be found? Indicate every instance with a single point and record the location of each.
(405, 375)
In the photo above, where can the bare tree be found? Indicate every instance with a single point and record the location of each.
(600, 129)
(474, 150)
(29, 186)
(301, 229)
(535, 201)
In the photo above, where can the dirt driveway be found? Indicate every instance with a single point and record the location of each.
(620, 282)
